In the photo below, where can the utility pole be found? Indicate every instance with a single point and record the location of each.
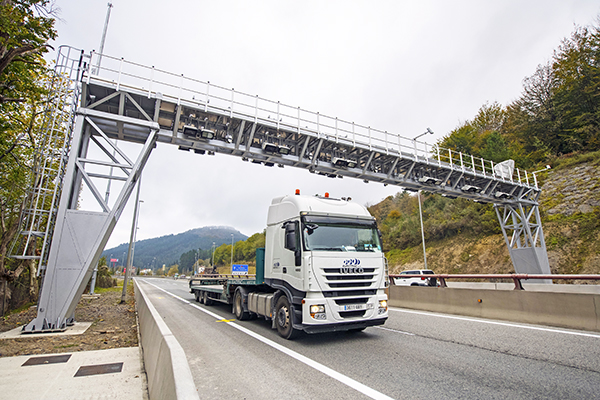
(131, 240)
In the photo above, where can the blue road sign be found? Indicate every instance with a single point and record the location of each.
(239, 269)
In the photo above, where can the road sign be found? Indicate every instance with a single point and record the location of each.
(239, 269)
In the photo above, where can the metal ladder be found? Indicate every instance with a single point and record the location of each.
(38, 216)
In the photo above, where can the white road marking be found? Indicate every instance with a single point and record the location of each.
(367, 391)
(394, 330)
(483, 321)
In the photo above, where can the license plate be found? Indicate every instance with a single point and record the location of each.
(353, 307)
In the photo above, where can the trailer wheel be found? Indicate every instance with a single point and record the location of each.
(283, 319)
(197, 295)
(206, 300)
(238, 306)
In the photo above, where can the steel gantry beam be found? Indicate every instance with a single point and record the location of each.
(125, 101)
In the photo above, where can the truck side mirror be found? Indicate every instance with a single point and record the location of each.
(292, 241)
(290, 236)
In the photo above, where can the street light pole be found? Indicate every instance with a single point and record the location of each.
(419, 198)
(232, 251)
(422, 231)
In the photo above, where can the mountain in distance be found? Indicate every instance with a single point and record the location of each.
(153, 253)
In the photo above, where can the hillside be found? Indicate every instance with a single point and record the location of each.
(570, 208)
(153, 253)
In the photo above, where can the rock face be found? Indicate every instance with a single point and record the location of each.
(571, 190)
(570, 202)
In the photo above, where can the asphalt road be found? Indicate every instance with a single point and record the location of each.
(415, 355)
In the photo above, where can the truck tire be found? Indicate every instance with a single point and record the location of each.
(206, 300)
(283, 318)
(197, 296)
(238, 306)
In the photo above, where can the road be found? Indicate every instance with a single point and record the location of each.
(415, 355)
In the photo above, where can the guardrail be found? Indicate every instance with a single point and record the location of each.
(516, 278)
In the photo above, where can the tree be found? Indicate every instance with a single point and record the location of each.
(173, 270)
(576, 70)
(533, 120)
(25, 28)
(558, 111)
(495, 148)
(187, 260)
(481, 137)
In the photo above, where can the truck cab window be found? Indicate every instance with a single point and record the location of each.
(340, 236)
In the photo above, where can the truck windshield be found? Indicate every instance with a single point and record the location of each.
(327, 234)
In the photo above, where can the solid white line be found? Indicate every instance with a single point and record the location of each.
(372, 393)
(394, 330)
(535, 328)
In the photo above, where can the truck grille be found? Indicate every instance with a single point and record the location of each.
(339, 278)
(344, 302)
(335, 293)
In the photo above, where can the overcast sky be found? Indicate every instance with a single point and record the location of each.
(393, 65)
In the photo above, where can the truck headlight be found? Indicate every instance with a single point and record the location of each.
(317, 311)
(383, 304)
(317, 308)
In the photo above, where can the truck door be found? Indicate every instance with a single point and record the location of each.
(291, 257)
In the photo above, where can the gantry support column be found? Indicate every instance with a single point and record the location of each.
(80, 236)
(522, 229)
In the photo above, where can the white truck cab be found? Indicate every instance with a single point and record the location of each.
(326, 256)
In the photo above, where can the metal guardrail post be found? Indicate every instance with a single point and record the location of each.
(518, 285)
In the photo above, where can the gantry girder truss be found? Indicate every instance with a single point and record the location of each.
(123, 101)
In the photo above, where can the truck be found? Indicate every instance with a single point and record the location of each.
(322, 270)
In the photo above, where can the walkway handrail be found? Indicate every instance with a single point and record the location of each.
(205, 94)
(515, 277)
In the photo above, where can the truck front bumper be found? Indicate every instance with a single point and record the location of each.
(343, 326)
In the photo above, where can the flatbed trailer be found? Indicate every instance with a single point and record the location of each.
(208, 289)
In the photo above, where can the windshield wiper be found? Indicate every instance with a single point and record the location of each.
(328, 248)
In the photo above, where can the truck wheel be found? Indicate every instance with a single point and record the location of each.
(206, 300)
(238, 306)
(283, 318)
(197, 295)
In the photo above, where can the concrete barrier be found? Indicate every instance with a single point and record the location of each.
(569, 310)
(169, 375)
